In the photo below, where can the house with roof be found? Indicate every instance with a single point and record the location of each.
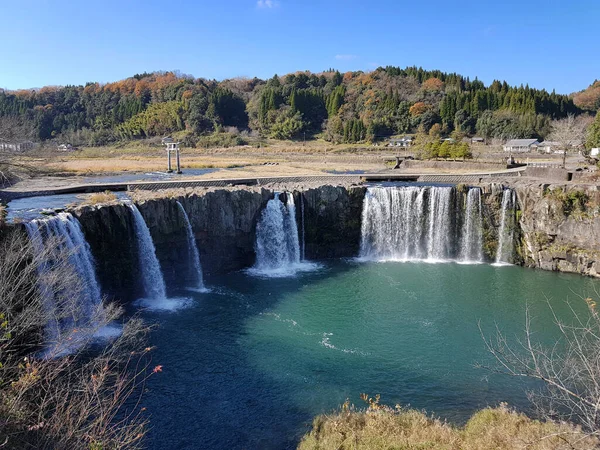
(550, 147)
(521, 145)
(405, 141)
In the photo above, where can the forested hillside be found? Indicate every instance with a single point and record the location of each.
(342, 108)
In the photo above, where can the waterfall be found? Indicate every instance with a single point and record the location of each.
(152, 279)
(277, 245)
(506, 231)
(472, 233)
(194, 256)
(59, 240)
(407, 223)
(303, 256)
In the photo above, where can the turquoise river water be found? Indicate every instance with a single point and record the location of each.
(249, 364)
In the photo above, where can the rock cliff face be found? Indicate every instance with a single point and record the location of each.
(560, 226)
(224, 224)
(109, 232)
(332, 219)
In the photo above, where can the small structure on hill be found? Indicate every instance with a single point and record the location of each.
(521, 145)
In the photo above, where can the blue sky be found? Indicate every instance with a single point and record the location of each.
(552, 44)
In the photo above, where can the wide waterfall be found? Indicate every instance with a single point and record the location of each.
(152, 278)
(421, 223)
(472, 233)
(505, 251)
(71, 317)
(277, 245)
(193, 255)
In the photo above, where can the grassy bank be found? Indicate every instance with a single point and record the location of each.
(491, 428)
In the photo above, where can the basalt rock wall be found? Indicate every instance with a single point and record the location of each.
(560, 227)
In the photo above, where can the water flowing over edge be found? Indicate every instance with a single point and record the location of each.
(419, 223)
(155, 291)
(505, 251)
(194, 255)
(277, 242)
(56, 238)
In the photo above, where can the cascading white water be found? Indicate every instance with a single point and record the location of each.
(152, 278)
(56, 238)
(407, 223)
(505, 250)
(472, 232)
(303, 255)
(194, 256)
(277, 244)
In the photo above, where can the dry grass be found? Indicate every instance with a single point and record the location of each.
(491, 428)
(100, 198)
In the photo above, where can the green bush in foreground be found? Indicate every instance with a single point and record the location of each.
(381, 427)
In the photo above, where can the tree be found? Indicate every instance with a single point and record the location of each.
(569, 133)
(570, 370)
(593, 135)
(433, 84)
(485, 125)
(418, 108)
(286, 123)
(15, 130)
(435, 132)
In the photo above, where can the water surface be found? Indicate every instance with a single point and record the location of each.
(249, 364)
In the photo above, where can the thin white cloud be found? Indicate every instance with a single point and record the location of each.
(267, 4)
(345, 57)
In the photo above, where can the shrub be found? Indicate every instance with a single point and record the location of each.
(100, 197)
(86, 399)
(384, 427)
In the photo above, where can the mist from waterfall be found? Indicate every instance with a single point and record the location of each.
(73, 317)
(408, 223)
(193, 254)
(277, 245)
(506, 238)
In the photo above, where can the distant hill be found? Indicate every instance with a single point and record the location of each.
(588, 99)
(348, 107)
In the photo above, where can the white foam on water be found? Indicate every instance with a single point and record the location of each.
(164, 304)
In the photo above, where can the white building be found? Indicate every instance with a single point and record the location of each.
(595, 152)
(550, 147)
(406, 141)
(521, 145)
(16, 147)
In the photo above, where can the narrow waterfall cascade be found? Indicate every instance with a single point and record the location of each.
(152, 278)
(76, 315)
(303, 255)
(472, 233)
(405, 223)
(194, 255)
(277, 245)
(506, 232)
